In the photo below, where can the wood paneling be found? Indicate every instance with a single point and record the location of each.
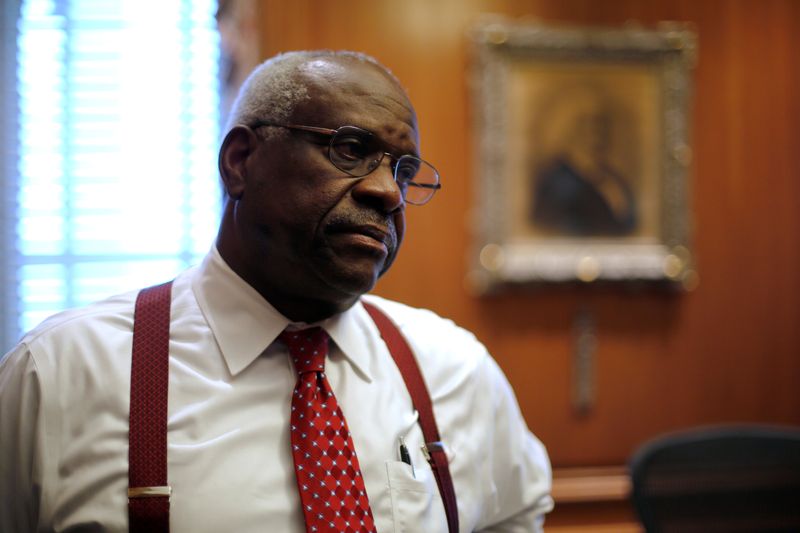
(728, 351)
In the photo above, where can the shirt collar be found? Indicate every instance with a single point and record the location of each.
(244, 324)
(353, 332)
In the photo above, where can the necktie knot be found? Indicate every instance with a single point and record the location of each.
(307, 348)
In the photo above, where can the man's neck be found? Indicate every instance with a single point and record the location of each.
(308, 310)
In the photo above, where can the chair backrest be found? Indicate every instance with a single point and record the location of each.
(719, 479)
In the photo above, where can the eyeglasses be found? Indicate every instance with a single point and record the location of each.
(358, 152)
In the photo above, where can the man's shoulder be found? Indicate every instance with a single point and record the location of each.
(85, 345)
(408, 317)
(113, 312)
(430, 335)
(398, 311)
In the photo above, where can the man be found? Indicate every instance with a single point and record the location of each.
(318, 168)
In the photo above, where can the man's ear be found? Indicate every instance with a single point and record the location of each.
(237, 147)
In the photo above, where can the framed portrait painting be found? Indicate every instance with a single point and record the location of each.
(582, 154)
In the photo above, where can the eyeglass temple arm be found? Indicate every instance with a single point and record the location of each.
(434, 186)
(312, 129)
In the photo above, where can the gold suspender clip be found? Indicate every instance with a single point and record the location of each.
(431, 447)
(149, 492)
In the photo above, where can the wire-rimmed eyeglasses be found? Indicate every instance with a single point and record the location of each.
(358, 152)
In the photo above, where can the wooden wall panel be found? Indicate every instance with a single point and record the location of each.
(728, 351)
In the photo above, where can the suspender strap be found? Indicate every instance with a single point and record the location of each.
(421, 399)
(148, 492)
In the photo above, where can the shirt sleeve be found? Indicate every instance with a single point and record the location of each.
(21, 438)
(521, 472)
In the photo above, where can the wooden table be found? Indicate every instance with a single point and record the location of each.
(594, 499)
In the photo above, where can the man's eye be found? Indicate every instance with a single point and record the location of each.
(351, 148)
(406, 170)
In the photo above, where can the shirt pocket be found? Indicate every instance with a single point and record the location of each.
(415, 508)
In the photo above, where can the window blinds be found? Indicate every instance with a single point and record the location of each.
(118, 127)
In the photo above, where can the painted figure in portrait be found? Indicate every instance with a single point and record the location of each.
(577, 189)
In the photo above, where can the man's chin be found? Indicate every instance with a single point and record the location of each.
(348, 272)
(353, 280)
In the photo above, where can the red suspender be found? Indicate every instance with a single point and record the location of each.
(405, 361)
(148, 492)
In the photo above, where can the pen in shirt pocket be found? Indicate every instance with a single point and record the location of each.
(405, 457)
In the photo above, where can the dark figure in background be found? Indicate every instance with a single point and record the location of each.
(576, 190)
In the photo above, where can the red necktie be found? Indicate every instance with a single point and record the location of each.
(328, 476)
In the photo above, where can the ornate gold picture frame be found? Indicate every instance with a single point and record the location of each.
(582, 154)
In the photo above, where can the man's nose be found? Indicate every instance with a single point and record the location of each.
(379, 188)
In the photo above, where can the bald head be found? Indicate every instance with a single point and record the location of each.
(275, 88)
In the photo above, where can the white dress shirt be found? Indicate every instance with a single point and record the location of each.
(64, 403)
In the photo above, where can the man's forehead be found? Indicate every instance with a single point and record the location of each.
(353, 77)
(349, 91)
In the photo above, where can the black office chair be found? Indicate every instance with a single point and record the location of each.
(719, 479)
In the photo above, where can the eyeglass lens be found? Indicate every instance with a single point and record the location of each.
(358, 152)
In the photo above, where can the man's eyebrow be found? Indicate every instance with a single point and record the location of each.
(397, 153)
(395, 150)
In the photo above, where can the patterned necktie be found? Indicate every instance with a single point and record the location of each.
(328, 476)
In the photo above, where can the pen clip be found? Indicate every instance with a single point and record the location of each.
(405, 456)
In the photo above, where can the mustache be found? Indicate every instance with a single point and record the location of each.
(364, 219)
(359, 218)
